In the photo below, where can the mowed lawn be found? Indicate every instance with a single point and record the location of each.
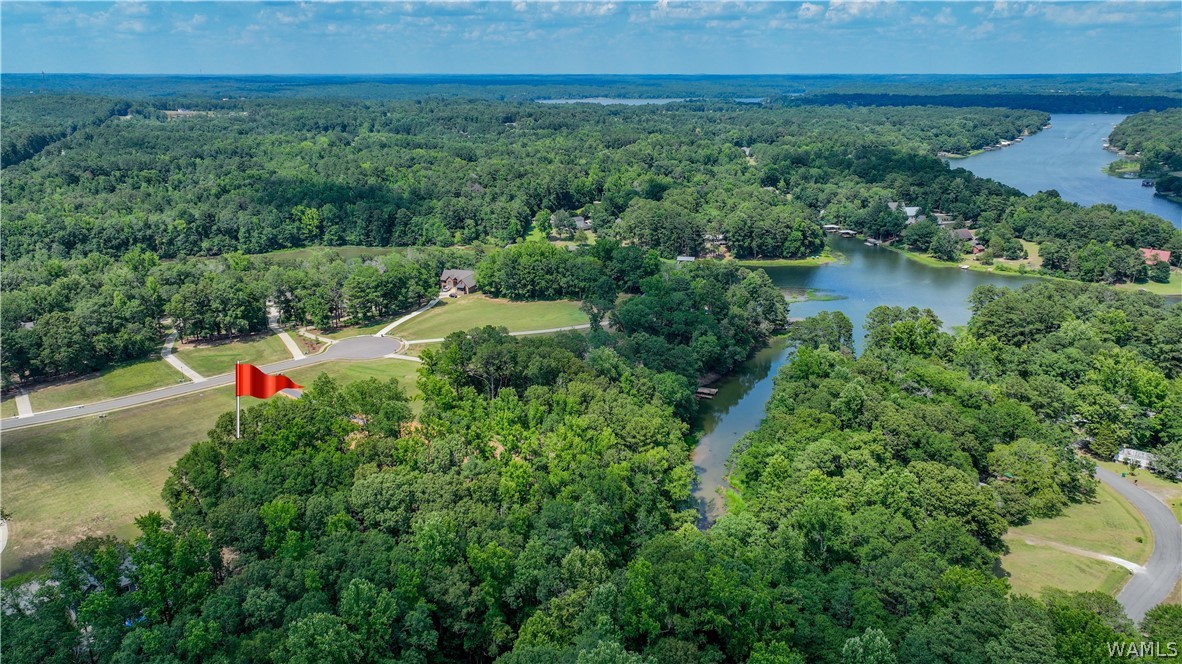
(93, 476)
(109, 383)
(405, 371)
(1108, 526)
(346, 252)
(1173, 287)
(1164, 489)
(359, 330)
(8, 408)
(219, 357)
(469, 311)
(1033, 568)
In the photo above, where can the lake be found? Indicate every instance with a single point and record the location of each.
(871, 277)
(608, 100)
(1069, 158)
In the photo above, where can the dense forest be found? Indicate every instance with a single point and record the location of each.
(538, 510)
(109, 217)
(1157, 138)
(519, 87)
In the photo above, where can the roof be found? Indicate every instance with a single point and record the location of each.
(964, 234)
(911, 210)
(893, 205)
(685, 259)
(1136, 455)
(465, 277)
(1154, 255)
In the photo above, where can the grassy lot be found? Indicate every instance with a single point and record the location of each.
(347, 252)
(471, 311)
(1174, 287)
(93, 476)
(219, 357)
(1033, 568)
(1166, 490)
(8, 408)
(1110, 526)
(346, 372)
(109, 383)
(1000, 268)
(357, 330)
(785, 262)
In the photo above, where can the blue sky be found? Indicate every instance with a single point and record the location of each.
(603, 37)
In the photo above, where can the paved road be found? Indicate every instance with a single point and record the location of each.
(1163, 569)
(526, 333)
(353, 348)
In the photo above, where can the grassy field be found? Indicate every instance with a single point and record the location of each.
(786, 262)
(1174, 287)
(93, 476)
(1109, 526)
(347, 252)
(219, 358)
(107, 384)
(1033, 568)
(8, 408)
(1166, 490)
(357, 330)
(471, 311)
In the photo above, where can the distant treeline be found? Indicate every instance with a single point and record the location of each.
(1050, 103)
(528, 87)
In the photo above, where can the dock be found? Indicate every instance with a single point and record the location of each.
(705, 393)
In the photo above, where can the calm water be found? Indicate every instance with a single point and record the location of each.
(1069, 158)
(872, 277)
(608, 100)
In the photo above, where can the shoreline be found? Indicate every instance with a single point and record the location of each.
(825, 258)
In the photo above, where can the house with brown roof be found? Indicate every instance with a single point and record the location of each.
(462, 281)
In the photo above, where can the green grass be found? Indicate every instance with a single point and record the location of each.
(92, 476)
(1031, 569)
(219, 357)
(826, 256)
(1001, 269)
(122, 380)
(1109, 526)
(1174, 287)
(1164, 489)
(346, 252)
(358, 330)
(346, 372)
(8, 408)
(471, 311)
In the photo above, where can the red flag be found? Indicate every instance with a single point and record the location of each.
(250, 381)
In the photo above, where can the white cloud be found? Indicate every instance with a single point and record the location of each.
(809, 10)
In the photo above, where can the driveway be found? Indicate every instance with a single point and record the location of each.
(1163, 569)
(352, 348)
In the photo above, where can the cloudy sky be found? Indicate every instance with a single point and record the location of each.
(667, 36)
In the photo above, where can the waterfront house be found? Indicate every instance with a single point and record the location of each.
(1152, 256)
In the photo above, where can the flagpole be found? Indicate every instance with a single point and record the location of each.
(237, 405)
